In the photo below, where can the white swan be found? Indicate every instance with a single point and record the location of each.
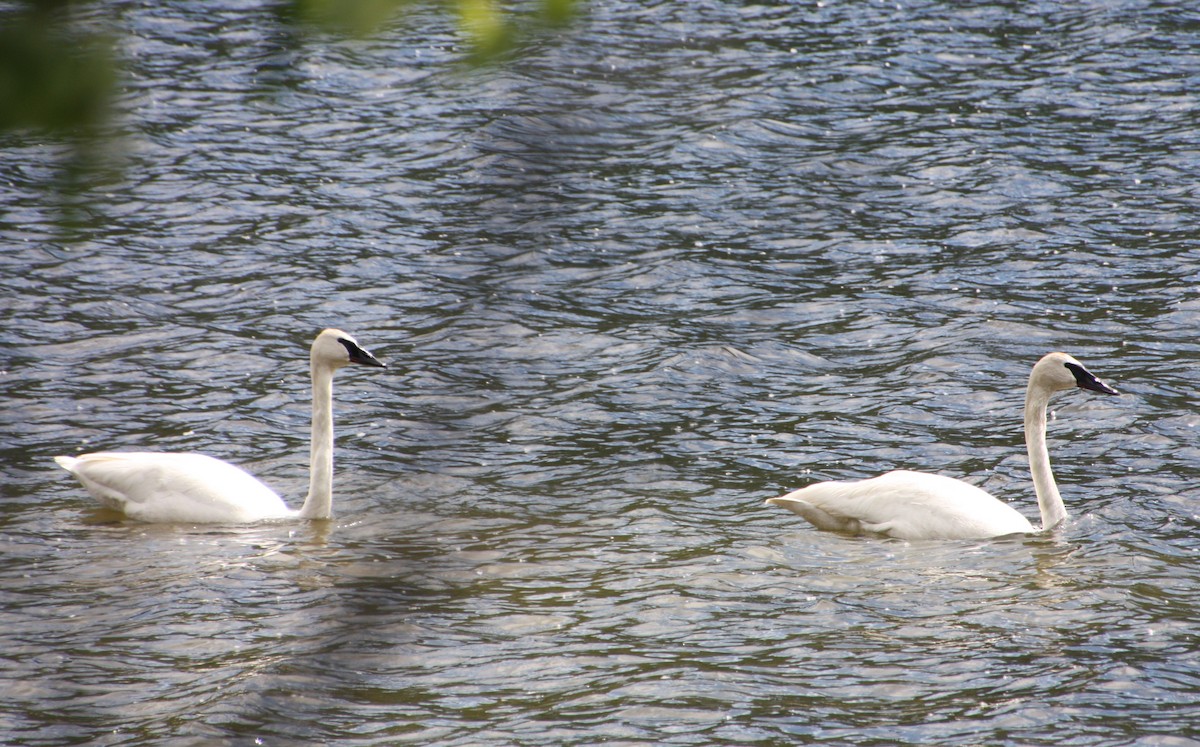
(192, 488)
(917, 505)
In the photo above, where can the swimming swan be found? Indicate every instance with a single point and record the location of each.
(162, 487)
(918, 505)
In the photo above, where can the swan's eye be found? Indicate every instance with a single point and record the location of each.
(358, 354)
(1085, 379)
(1081, 374)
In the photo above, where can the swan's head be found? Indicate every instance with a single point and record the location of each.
(1059, 371)
(335, 348)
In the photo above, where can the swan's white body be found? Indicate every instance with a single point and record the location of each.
(196, 489)
(160, 487)
(917, 505)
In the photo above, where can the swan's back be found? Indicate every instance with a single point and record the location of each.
(908, 505)
(165, 487)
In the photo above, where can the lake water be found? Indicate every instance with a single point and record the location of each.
(657, 267)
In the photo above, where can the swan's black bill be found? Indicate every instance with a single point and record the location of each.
(360, 354)
(1085, 379)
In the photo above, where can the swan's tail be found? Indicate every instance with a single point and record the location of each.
(819, 518)
(107, 496)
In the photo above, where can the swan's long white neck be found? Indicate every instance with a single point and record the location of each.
(319, 503)
(1049, 501)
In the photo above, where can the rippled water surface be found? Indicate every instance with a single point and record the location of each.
(652, 270)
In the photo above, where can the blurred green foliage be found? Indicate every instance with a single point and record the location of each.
(489, 29)
(58, 71)
(53, 76)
